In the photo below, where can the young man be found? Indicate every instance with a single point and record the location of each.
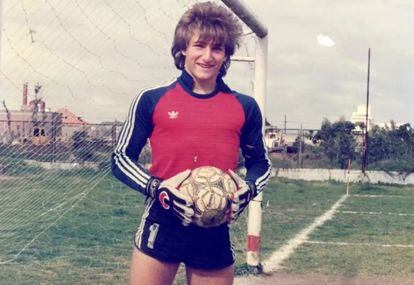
(194, 121)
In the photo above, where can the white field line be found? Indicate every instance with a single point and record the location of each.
(283, 253)
(374, 213)
(360, 244)
(377, 196)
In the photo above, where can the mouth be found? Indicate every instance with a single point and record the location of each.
(205, 66)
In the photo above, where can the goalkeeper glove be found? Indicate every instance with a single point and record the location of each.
(171, 199)
(246, 191)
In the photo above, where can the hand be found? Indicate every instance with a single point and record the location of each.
(245, 192)
(172, 199)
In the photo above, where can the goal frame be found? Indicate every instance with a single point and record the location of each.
(254, 224)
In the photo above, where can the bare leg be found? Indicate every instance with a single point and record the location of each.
(223, 276)
(146, 270)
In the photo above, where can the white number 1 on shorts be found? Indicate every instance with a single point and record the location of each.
(153, 235)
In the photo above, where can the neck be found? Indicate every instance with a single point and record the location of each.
(204, 87)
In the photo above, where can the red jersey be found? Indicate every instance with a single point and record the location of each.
(187, 130)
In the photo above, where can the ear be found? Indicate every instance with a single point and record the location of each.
(183, 52)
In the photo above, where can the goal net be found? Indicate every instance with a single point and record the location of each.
(69, 71)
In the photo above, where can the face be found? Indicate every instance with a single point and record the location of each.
(203, 60)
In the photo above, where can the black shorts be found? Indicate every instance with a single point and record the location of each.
(161, 235)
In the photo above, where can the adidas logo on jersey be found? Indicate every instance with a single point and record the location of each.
(173, 115)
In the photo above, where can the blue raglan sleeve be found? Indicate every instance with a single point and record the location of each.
(257, 163)
(134, 134)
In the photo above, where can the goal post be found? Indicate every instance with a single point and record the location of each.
(254, 223)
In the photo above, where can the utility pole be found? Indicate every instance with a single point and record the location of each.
(36, 107)
(300, 148)
(8, 115)
(9, 138)
(365, 161)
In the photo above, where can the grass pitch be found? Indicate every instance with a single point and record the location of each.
(372, 234)
(89, 240)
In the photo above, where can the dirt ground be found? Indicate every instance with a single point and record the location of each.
(289, 279)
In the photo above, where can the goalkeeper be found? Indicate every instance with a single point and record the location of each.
(197, 120)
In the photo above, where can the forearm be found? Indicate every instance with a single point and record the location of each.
(258, 174)
(131, 173)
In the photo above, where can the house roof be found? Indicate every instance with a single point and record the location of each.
(70, 118)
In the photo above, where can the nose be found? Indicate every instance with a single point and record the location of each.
(207, 54)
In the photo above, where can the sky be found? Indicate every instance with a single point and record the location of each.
(94, 56)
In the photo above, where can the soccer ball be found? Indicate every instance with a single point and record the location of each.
(209, 187)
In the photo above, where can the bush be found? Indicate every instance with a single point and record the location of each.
(398, 165)
(16, 167)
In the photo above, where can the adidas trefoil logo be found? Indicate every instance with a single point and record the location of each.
(173, 115)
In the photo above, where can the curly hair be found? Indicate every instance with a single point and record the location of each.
(213, 22)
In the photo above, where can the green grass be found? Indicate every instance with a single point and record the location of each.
(351, 261)
(89, 244)
(88, 240)
(363, 228)
(368, 237)
(289, 206)
(392, 204)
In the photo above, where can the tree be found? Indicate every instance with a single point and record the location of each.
(379, 144)
(392, 147)
(336, 141)
(81, 147)
(405, 136)
(299, 144)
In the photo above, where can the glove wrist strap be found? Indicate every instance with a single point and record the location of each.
(152, 186)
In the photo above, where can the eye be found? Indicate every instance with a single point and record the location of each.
(218, 47)
(199, 44)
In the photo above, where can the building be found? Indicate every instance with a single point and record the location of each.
(279, 140)
(31, 123)
(273, 139)
(358, 118)
(71, 124)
